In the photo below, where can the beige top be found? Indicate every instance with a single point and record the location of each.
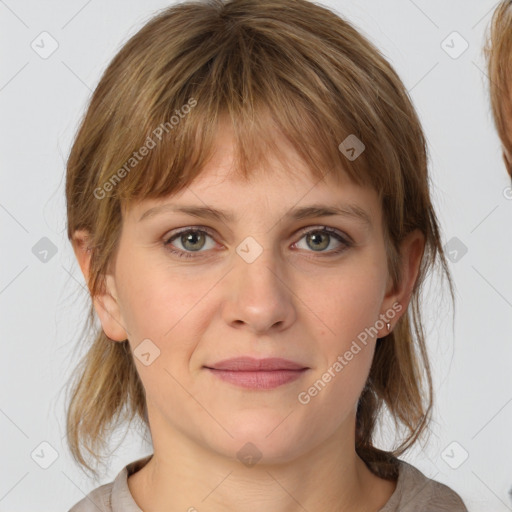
(414, 493)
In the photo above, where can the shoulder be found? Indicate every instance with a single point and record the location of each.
(415, 492)
(98, 500)
(114, 496)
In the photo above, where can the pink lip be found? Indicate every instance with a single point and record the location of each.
(251, 373)
(248, 364)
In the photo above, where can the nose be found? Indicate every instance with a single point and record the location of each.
(259, 294)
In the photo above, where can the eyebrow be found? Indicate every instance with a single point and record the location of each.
(303, 212)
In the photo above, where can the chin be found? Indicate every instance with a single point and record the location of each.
(261, 438)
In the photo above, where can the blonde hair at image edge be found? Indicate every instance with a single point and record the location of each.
(498, 51)
(318, 80)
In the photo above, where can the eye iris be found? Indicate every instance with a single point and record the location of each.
(316, 235)
(192, 237)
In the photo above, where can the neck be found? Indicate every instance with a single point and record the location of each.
(184, 475)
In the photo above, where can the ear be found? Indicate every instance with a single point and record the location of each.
(106, 302)
(398, 297)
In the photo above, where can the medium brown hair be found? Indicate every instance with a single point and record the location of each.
(498, 51)
(317, 80)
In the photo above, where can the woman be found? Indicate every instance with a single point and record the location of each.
(247, 197)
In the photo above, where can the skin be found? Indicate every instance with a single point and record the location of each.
(293, 302)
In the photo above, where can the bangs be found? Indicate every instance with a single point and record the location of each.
(178, 158)
(180, 138)
(165, 119)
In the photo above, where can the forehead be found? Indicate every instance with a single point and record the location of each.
(277, 181)
(278, 165)
(279, 184)
(289, 193)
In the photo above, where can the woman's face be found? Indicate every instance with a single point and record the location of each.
(264, 282)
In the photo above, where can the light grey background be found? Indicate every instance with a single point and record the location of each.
(43, 303)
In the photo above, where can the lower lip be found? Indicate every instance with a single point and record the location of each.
(259, 379)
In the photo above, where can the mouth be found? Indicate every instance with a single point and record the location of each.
(251, 373)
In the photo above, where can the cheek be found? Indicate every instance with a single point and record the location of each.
(348, 304)
(345, 311)
(154, 297)
(167, 306)
(158, 306)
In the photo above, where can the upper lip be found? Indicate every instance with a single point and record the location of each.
(249, 364)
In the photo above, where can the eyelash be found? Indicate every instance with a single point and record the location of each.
(345, 241)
